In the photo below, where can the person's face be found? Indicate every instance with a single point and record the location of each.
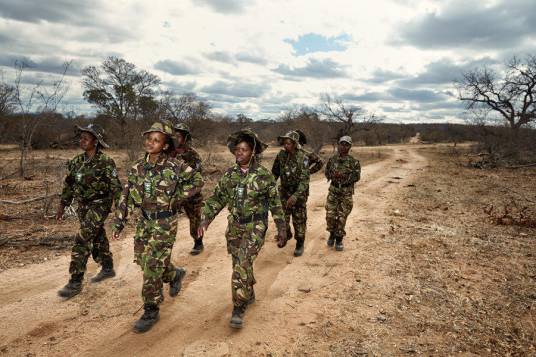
(344, 147)
(243, 153)
(87, 141)
(155, 142)
(289, 145)
(181, 138)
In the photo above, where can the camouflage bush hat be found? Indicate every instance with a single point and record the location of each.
(96, 130)
(183, 128)
(303, 138)
(163, 128)
(292, 135)
(240, 135)
(345, 139)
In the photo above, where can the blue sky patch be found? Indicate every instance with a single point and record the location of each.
(313, 42)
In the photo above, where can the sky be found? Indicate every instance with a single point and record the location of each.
(397, 59)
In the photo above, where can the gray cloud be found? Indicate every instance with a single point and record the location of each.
(469, 24)
(416, 95)
(367, 97)
(243, 90)
(176, 68)
(225, 6)
(46, 64)
(180, 87)
(314, 68)
(445, 71)
(58, 11)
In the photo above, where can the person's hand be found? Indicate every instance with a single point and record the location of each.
(201, 230)
(291, 201)
(115, 235)
(281, 240)
(59, 212)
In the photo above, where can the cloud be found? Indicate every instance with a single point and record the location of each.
(313, 42)
(176, 68)
(225, 6)
(469, 24)
(445, 71)
(242, 90)
(314, 68)
(416, 95)
(382, 76)
(219, 56)
(46, 64)
(367, 97)
(251, 58)
(180, 87)
(58, 11)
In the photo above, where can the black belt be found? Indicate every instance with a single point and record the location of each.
(342, 185)
(252, 218)
(157, 215)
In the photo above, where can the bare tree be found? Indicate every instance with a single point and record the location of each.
(510, 95)
(352, 117)
(184, 108)
(7, 98)
(34, 103)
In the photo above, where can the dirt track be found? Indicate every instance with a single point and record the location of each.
(298, 299)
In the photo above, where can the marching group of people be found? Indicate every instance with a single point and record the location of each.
(169, 179)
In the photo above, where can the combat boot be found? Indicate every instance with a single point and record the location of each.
(148, 319)
(298, 251)
(237, 320)
(73, 287)
(331, 239)
(339, 247)
(106, 272)
(176, 284)
(198, 247)
(251, 298)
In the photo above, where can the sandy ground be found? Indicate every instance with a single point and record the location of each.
(347, 303)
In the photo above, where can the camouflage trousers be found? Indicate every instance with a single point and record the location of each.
(339, 204)
(299, 216)
(91, 240)
(192, 208)
(244, 242)
(153, 243)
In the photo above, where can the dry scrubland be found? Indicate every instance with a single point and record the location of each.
(439, 260)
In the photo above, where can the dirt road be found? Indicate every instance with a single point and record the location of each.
(307, 305)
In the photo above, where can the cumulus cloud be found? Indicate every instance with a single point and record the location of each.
(469, 24)
(44, 64)
(314, 68)
(176, 68)
(220, 56)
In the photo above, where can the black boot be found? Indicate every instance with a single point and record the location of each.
(237, 320)
(176, 284)
(339, 247)
(331, 239)
(107, 271)
(73, 287)
(148, 319)
(298, 251)
(252, 299)
(198, 247)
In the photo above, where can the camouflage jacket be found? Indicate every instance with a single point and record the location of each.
(93, 180)
(245, 195)
(293, 171)
(161, 186)
(190, 156)
(343, 172)
(315, 162)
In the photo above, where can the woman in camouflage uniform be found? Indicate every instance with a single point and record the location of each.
(315, 162)
(92, 182)
(343, 171)
(158, 185)
(249, 191)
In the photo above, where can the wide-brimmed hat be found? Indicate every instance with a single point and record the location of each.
(292, 135)
(183, 128)
(160, 127)
(96, 130)
(345, 139)
(240, 135)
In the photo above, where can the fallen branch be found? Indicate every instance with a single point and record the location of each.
(29, 199)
